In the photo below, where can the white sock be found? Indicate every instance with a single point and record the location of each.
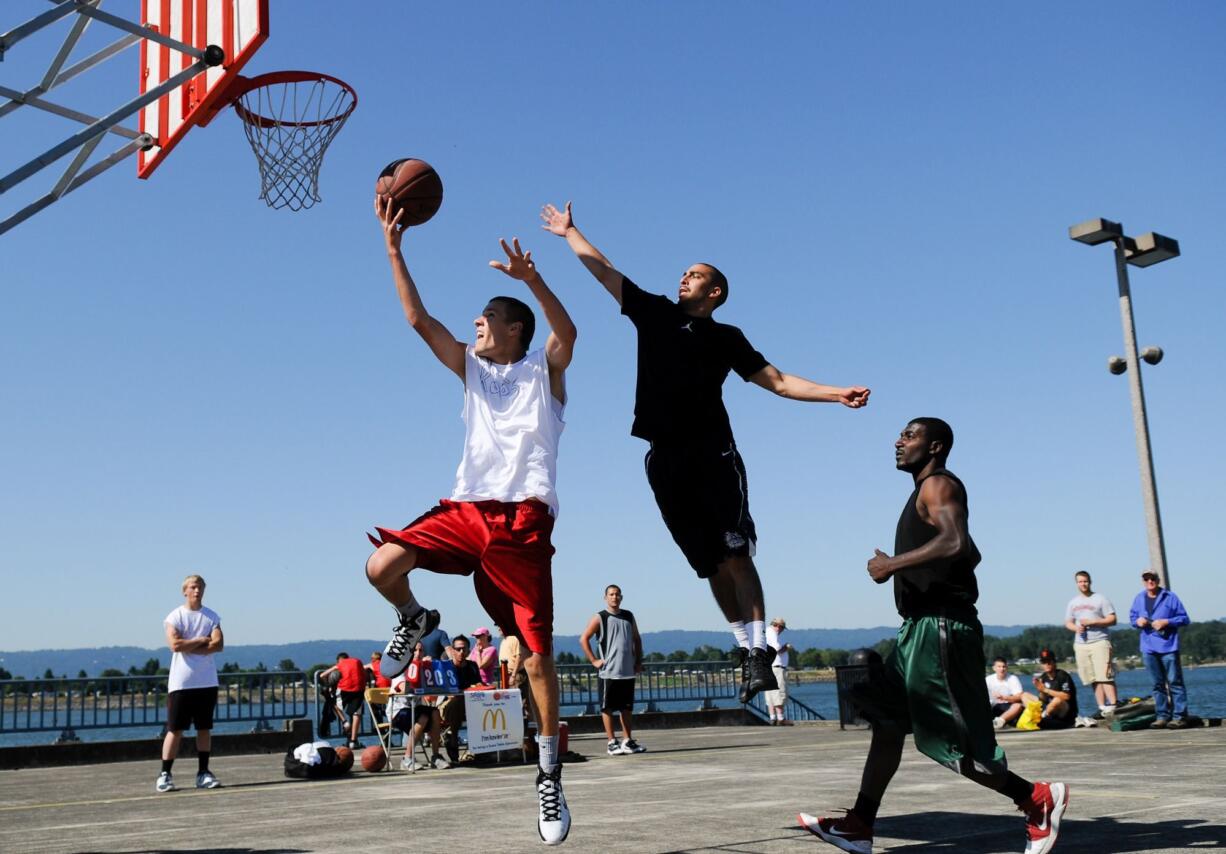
(548, 745)
(738, 632)
(757, 634)
(410, 607)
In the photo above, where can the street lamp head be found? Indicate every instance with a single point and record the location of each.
(1152, 248)
(1152, 355)
(1095, 231)
(1117, 365)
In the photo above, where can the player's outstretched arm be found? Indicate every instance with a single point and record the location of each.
(562, 224)
(560, 345)
(944, 508)
(441, 342)
(799, 388)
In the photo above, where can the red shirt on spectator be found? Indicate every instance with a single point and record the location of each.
(353, 675)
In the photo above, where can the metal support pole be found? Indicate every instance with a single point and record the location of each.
(1140, 421)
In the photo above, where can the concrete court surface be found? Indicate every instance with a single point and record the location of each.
(719, 789)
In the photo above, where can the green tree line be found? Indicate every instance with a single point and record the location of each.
(1199, 643)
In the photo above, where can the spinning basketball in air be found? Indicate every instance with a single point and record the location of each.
(414, 187)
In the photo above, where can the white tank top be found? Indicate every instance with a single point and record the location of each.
(512, 427)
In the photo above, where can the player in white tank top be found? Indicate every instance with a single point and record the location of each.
(513, 405)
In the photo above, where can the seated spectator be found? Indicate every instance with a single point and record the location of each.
(1006, 695)
(1057, 693)
(452, 707)
(375, 679)
(352, 687)
(426, 720)
(485, 656)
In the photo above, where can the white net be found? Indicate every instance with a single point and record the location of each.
(290, 121)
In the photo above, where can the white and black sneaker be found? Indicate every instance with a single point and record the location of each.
(206, 780)
(553, 825)
(165, 782)
(629, 746)
(614, 747)
(399, 650)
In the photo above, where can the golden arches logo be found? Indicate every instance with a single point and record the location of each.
(494, 718)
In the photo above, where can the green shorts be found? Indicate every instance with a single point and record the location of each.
(932, 685)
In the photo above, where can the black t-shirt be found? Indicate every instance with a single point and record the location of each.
(1058, 680)
(940, 586)
(467, 674)
(682, 364)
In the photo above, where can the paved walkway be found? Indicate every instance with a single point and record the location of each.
(726, 789)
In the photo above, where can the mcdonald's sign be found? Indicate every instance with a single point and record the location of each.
(494, 719)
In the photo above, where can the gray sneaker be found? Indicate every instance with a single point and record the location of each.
(399, 650)
(629, 745)
(206, 780)
(165, 782)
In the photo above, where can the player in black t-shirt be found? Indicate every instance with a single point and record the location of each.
(693, 466)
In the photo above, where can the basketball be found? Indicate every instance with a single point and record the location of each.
(373, 758)
(414, 187)
(345, 757)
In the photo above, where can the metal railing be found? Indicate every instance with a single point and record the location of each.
(105, 702)
(699, 683)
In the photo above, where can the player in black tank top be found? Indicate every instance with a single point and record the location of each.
(931, 684)
(942, 585)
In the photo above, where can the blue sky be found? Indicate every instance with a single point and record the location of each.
(192, 382)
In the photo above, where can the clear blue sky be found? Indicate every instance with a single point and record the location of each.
(191, 382)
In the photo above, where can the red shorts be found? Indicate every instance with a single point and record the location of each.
(505, 546)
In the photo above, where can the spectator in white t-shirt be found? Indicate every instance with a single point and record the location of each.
(1006, 695)
(1089, 616)
(776, 700)
(193, 633)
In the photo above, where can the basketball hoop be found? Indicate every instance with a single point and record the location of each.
(290, 118)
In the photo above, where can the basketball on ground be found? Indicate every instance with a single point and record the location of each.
(414, 187)
(345, 757)
(373, 758)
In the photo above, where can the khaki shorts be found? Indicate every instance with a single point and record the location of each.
(780, 697)
(1094, 662)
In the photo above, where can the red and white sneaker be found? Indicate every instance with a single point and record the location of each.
(1047, 804)
(848, 833)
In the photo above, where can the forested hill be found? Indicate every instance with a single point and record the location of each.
(1201, 642)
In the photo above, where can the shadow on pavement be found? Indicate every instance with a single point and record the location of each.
(949, 831)
(212, 851)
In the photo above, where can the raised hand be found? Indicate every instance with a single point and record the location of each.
(854, 397)
(519, 263)
(393, 231)
(556, 221)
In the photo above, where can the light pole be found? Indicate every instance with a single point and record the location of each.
(1144, 251)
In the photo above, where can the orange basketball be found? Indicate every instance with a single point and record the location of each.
(373, 758)
(414, 187)
(345, 757)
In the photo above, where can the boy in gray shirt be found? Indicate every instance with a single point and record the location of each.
(621, 659)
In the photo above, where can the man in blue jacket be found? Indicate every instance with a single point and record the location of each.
(1159, 614)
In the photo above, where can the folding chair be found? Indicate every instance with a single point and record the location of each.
(383, 730)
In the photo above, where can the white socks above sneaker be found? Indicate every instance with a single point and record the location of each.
(410, 607)
(738, 632)
(757, 634)
(548, 745)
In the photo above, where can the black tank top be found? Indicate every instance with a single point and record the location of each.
(941, 586)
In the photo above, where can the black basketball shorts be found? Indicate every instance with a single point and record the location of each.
(703, 495)
(190, 706)
(616, 695)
